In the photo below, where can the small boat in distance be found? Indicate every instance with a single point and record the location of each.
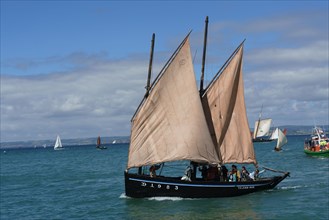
(177, 123)
(280, 137)
(99, 144)
(317, 144)
(262, 129)
(58, 144)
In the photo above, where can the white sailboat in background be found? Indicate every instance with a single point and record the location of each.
(58, 144)
(275, 134)
(280, 137)
(262, 129)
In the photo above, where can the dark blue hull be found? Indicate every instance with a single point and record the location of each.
(139, 186)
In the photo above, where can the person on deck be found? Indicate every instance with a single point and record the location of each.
(255, 174)
(204, 171)
(188, 174)
(152, 171)
(235, 175)
(244, 174)
(224, 173)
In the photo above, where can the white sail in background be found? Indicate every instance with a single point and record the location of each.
(262, 127)
(58, 143)
(275, 134)
(282, 140)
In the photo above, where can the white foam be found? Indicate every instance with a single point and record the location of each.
(291, 187)
(123, 196)
(166, 198)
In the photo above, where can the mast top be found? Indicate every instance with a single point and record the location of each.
(204, 56)
(147, 87)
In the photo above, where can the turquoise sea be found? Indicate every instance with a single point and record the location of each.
(81, 182)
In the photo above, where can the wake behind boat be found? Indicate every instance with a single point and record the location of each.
(176, 122)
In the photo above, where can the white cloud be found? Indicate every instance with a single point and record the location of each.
(314, 52)
(97, 100)
(291, 94)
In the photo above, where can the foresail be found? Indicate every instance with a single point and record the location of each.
(225, 110)
(170, 123)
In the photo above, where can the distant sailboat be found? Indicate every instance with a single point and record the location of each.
(58, 144)
(280, 137)
(262, 129)
(99, 144)
(275, 133)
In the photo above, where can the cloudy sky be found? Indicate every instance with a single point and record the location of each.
(79, 68)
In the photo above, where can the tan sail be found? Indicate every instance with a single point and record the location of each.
(225, 111)
(170, 124)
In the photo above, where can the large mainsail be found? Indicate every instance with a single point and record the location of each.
(170, 123)
(225, 110)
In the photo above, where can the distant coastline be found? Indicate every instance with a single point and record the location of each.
(65, 142)
(291, 130)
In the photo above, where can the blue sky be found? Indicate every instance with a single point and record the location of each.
(78, 68)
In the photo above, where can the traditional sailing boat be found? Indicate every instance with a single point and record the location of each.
(280, 137)
(99, 144)
(262, 129)
(175, 122)
(58, 144)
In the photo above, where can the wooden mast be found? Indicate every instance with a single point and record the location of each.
(204, 56)
(260, 115)
(150, 68)
(147, 87)
(192, 163)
